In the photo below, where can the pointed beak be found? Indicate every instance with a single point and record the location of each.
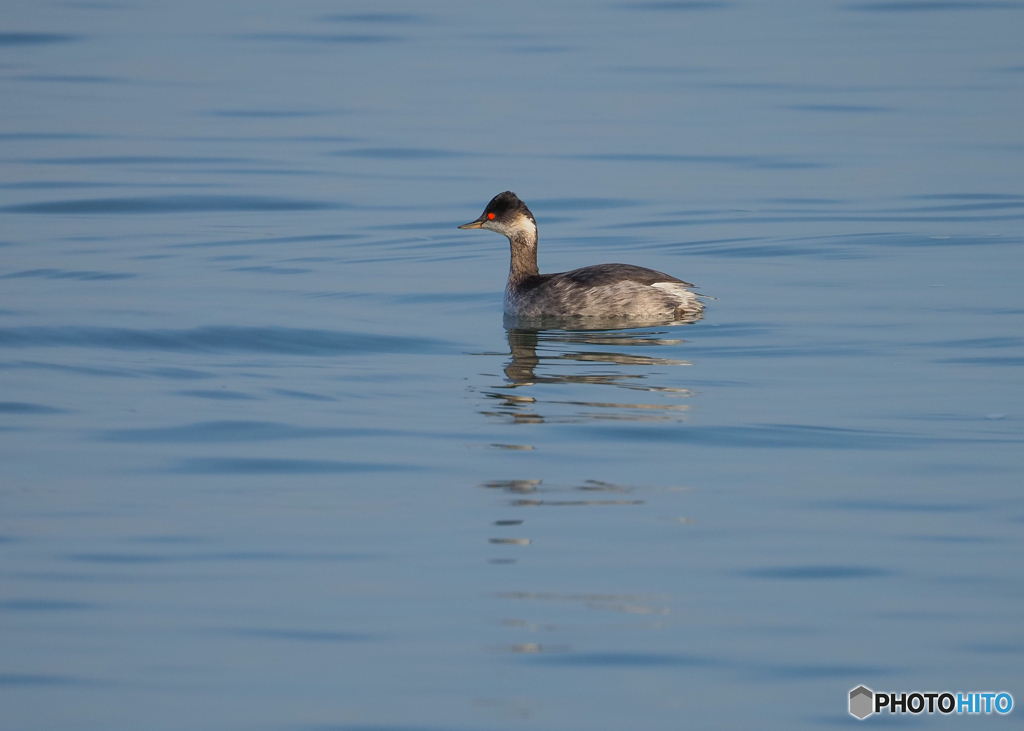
(478, 223)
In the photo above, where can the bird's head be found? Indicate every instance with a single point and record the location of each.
(507, 215)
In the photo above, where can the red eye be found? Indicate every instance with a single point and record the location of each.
(490, 216)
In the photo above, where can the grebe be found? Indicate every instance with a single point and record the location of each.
(602, 291)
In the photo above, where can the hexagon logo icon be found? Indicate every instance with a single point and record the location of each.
(861, 702)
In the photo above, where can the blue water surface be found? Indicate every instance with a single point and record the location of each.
(271, 458)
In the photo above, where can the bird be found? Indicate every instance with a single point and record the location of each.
(607, 291)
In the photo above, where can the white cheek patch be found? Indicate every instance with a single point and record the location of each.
(523, 225)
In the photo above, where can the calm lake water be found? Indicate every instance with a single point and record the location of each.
(271, 459)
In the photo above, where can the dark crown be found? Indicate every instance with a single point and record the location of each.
(507, 204)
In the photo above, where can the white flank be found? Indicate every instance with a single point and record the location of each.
(677, 291)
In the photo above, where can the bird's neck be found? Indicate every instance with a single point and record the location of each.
(523, 242)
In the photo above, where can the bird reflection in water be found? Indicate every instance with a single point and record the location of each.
(560, 372)
(549, 495)
(550, 360)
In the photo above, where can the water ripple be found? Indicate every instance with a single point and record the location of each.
(1012, 361)
(21, 407)
(272, 466)
(219, 395)
(817, 573)
(270, 240)
(812, 672)
(298, 635)
(624, 660)
(759, 162)
(391, 18)
(268, 113)
(401, 153)
(65, 274)
(840, 108)
(169, 372)
(39, 679)
(132, 160)
(121, 558)
(581, 204)
(36, 39)
(323, 38)
(220, 339)
(928, 6)
(773, 436)
(677, 5)
(48, 136)
(71, 79)
(44, 605)
(371, 727)
(170, 204)
(233, 431)
(900, 507)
